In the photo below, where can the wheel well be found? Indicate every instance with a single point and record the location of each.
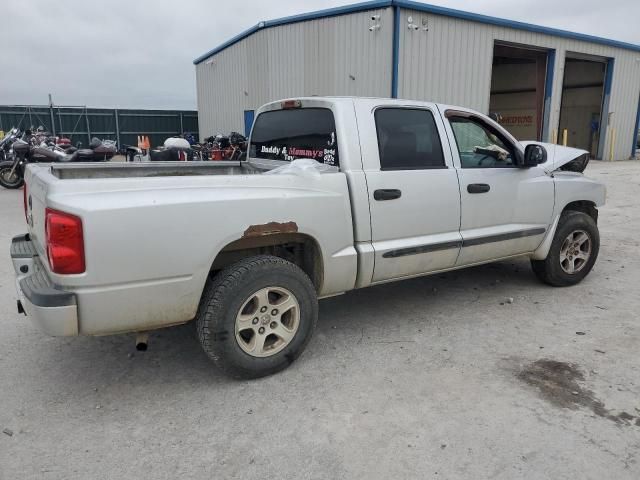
(297, 248)
(584, 206)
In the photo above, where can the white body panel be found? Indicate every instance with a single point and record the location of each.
(520, 200)
(149, 247)
(150, 241)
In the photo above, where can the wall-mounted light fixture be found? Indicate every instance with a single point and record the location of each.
(376, 23)
(414, 26)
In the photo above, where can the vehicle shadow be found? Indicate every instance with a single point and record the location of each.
(494, 283)
(174, 356)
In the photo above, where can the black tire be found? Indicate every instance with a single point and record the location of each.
(550, 270)
(228, 291)
(5, 181)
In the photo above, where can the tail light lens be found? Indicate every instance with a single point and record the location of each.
(65, 242)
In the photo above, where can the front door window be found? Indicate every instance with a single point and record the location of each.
(479, 146)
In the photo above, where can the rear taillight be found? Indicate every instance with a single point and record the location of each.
(65, 242)
(24, 200)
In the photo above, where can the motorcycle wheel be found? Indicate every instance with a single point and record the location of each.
(9, 180)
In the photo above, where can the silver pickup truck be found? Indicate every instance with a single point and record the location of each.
(335, 194)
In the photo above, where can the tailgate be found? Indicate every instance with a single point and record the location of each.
(36, 185)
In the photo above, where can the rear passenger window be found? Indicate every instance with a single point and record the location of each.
(295, 133)
(408, 139)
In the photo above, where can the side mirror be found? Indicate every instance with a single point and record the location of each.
(534, 154)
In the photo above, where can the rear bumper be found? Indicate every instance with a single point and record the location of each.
(51, 308)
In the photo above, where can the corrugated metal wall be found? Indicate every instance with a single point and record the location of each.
(446, 60)
(451, 61)
(81, 123)
(328, 56)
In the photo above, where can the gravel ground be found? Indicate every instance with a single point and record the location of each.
(438, 377)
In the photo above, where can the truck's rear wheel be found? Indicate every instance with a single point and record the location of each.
(573, 252)
(256, 316)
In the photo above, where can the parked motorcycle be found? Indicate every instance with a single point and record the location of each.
(12, 172)
(6, 150)
(174, 149)
(202, 150)
(231, 147)
(238, 144)
(65, 144)
(132, 152)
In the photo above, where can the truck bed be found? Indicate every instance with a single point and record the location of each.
(155, 169)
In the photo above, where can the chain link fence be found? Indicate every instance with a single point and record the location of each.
(80, 124)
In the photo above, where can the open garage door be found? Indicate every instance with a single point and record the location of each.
(518, 80)
(582, 109)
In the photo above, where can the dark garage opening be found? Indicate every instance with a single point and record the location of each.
(582, 103)
(517, 94)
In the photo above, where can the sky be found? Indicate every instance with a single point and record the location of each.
(139, 53)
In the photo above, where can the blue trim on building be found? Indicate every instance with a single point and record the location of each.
(548, 90)
(604, 118)
(635, 132)
(395, 60)
(329, 12)
(422, 7)
(608, 78)
(227, 44)
(248, 121)
(501, 22)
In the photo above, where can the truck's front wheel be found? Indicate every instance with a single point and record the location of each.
(256, 316)
(573, 251)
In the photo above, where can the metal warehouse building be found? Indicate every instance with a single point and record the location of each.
(546, 84)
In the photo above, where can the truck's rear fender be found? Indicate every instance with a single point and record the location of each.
(278, 239)
(313, 230)
(150, 247)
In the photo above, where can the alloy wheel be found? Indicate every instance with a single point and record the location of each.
(267, 321)
(575, 252)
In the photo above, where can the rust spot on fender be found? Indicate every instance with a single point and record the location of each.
(271, 228)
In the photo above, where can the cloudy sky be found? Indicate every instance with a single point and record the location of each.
(139, 53)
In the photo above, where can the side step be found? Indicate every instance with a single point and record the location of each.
(22, 247)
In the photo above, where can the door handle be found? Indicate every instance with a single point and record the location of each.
(478, 188)
(387, 194)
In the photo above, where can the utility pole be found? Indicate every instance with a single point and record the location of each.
(86, 118)
(53, 123)
(115, 114)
